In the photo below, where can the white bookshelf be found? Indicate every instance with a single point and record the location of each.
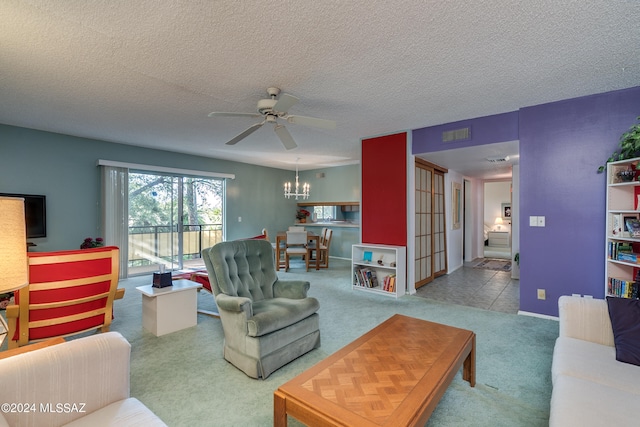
(622, 203)
(386, 260)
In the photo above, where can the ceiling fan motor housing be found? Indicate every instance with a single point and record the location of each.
(266, 105)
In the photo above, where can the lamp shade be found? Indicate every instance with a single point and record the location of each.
(14, 272)
(498, 221)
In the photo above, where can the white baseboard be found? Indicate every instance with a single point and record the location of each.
(541, 316)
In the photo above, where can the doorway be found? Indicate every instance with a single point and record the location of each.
(497, 219)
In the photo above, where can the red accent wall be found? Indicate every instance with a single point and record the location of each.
(383, 215)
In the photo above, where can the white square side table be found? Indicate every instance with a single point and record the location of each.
(169, 309)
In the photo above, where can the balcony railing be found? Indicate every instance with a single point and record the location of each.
(152, 245)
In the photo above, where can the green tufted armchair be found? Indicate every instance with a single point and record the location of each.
(267, 322)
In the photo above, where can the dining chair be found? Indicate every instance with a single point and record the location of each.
(323, 252)
(314, 251)
(296, 246)
(279, 251)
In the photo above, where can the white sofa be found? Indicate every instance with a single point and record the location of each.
(82, 382)
(590, 387)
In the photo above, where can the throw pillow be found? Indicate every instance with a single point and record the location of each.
(625, 320)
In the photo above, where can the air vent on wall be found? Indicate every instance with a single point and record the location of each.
(456, 135)
(498, 159)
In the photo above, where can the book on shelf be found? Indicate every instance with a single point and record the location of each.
(366, 277)
(389, 283)
(628, 257)
(622, 288)
(617, 225)
(615, 249)
(633, 225)
(626, 232)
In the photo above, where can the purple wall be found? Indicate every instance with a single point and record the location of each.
(561, 146)
(484, 130)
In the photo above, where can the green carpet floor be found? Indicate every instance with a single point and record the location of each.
(183, 378)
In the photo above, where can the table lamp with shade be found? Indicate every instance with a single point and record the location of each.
(13, 250)
(498, 223)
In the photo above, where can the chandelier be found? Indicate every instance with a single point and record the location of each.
(305, 188)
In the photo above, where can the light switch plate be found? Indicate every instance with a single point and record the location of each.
(533, 221)
(541, 221)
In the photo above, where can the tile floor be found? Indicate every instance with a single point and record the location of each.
(474, 287)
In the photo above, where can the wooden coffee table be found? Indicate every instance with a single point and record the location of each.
(394, 375)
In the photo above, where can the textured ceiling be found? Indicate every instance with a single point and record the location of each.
(148, 72)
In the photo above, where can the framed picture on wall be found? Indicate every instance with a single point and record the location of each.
(506, 211)
(456, 199)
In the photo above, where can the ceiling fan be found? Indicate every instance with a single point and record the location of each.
(273, 109)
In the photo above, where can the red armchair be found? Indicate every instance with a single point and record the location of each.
(69, 292)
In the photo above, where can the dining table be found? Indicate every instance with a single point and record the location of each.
(281, 247)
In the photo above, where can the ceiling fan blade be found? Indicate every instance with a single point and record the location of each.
(225, 114)
(312, 121)
(245, 134)
(285, 137)
(285, 102)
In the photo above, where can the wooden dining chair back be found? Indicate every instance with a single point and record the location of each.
(296, 246)
(69, 292)
(323, 235)
(323, 253)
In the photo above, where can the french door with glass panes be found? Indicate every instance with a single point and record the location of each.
(430, 228)
(171, 219)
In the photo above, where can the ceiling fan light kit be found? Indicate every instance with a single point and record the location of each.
(273, 109)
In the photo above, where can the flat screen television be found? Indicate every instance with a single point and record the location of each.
(35, 212)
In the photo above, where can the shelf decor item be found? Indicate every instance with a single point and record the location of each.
(626, 175)
(302, 215)
(89, 242)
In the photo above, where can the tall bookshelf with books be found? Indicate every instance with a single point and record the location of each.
(622, 267)
(379, 268)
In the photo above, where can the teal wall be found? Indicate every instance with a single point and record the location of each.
(339, 184)
(64, 169)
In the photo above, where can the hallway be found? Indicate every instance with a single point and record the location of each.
(474, 287)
